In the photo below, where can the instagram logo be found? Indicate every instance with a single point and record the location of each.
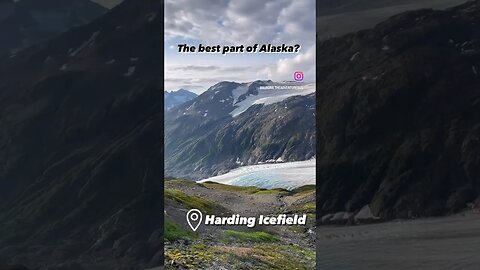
(298, 76)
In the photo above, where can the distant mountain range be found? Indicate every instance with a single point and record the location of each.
(175, 98)
(234, 124)
(28, 22)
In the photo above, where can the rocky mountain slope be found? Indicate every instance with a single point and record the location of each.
(175, 98)
(81, 127)
(339, 17)
(233, 124)
(399, 116)
(28, 22)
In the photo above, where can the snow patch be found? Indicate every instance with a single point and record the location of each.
(237, 92)
(130, 72)
(354, 56)
(266, 96)
(48, 59)
(365, 214)
(151, 16)
(89, 43)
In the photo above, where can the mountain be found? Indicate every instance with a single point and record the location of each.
(399, 116)
(233, 124)
(175, 98)
(339, 17)
(28, 22)
(108, 3)
(81, 128)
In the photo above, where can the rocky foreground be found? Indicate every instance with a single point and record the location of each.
(237, 247)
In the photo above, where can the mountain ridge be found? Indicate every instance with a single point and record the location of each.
(178, 97)
(397, 109)
(203, 138)
(80, 145)
(27, 22)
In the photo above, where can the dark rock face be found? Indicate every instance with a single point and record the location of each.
(81, 123)
(13, 267)
(28, 22)
(203, 139)
(399, 115)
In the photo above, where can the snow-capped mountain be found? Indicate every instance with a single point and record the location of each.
(28, 22)
(235, 98)
(268, 93)
(175, 98)
(233, 124)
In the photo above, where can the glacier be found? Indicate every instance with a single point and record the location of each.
(288, 175)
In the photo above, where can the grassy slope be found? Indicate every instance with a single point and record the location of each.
(256, 248)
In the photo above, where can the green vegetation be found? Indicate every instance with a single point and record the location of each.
(276, 191)
(230, 236)
(304, 189)
(286, 257)
(271, 256)
(231, 249)
(180, 182)
(173, 231)
(248, 190)
(190, 201)
(261, 256)
(195, 256)
(309, 207)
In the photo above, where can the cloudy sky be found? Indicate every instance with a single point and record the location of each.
(236, 22)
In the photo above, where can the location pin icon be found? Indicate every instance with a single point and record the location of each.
(194, 218)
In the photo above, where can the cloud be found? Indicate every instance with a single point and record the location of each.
(198, 78)
(196, 68)
(235, 22)
(284, 68)
(209, 68)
